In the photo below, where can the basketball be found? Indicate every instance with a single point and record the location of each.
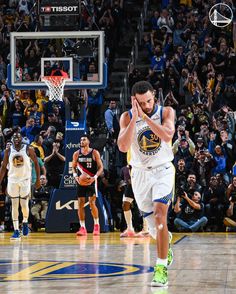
(84, 180)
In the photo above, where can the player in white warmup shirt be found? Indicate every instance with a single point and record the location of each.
(17, 161)
(147, 130)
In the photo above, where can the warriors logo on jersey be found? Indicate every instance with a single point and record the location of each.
(148, 142)
(18, 161)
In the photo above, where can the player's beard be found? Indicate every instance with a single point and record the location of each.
(83, 145)
(149, 111)
(17, 144)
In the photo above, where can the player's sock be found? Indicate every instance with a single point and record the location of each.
(96, 221)
(16, 225)
(82, 224)
(161, 261)
(15, 212)
(128, 219)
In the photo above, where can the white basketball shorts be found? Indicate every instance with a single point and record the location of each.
(152, 185)
(19, 189)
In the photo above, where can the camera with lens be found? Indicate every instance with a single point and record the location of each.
(122, 185)
(233, 197)
(180, 192)
(181, 130)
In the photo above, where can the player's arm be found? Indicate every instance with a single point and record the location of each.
(33, 157)
(127, 127)
(3, 168)
(99, 163)
(166, 130)
(74, 164)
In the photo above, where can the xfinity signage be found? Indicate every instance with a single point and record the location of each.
(73, 145)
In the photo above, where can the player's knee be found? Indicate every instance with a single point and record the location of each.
(92, 201)
(160, 217)
(81, 202)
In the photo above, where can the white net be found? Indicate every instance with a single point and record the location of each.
(56, 86)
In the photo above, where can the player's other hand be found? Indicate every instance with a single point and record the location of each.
(37, 184)
(134, 108)
(141, 114)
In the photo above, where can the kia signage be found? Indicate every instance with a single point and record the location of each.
(63, 212)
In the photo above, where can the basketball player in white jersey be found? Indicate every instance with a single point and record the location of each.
(17, 162)
(147, 130)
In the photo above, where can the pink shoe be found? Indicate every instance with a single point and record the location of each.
(127, 233)
(96, 230)
(82, 232)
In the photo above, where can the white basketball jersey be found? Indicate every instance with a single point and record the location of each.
(19, 167)
(147, 149)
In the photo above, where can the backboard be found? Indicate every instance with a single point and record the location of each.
(35, 54)
(50, 65)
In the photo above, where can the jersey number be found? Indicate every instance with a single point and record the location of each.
(89, 164)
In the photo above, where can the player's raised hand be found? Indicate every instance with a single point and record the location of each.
(134, 108)
(141, 114)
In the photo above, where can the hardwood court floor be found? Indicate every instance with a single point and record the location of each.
(61, 263)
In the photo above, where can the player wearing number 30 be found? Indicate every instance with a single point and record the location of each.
(147, 130)
(87, 167)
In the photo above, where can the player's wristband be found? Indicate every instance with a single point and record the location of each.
(75, 175)
(95, 177)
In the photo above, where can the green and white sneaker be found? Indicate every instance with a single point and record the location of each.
(170, 256)
(160, 276)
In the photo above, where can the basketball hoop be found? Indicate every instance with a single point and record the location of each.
(56, 86)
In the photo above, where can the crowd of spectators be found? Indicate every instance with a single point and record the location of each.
(40, 121)
(192, 68)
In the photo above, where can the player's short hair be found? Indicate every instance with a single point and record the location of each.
(86, 136)
(141, 87)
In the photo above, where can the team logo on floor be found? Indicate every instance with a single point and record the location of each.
(57, 270)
